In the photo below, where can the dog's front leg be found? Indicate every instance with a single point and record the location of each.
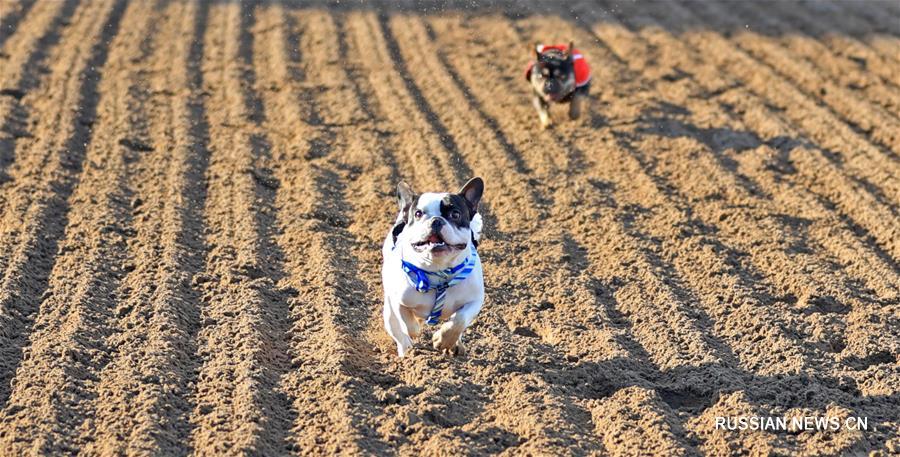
(448, 338)
(411, 322)
(542, 108)
(576, 106)
(396, 328)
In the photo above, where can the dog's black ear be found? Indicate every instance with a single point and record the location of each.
(571, 51)
(472, 192)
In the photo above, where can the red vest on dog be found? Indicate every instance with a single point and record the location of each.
(582, 69)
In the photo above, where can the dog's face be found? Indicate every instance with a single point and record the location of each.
(434, 228)
(553, 73)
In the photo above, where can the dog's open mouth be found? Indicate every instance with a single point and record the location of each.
(436, 244)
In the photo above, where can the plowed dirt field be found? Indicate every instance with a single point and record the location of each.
(193, 197)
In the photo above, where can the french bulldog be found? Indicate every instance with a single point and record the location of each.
(431, 270)
(559, 74)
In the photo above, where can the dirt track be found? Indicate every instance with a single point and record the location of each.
(193, 197)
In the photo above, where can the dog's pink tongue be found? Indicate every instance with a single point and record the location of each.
(434, 239)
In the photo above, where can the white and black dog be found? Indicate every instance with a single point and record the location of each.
(431, 269)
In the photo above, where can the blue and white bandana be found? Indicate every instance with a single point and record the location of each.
(440, 281)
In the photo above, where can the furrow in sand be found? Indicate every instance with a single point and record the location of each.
(657, 434)
(824, 27)
(10, 18)
(24, 50)
(777, 147)
(849, 147)
(313, 121)
(774, 150)
(689, 243)
(858, 339)
(880, 126)
(782, 147)
(424, 110)
(54, 384)
(687, 343)
(404, 114)
(828, 330)
(838, 17)
(770, 132)
(242, 341)
(823, 281)
(580, 253)
(20, 73)
(158, 314)
(14, 117)
(35, 205)
(434, 380)
(471, 135)
(759, 386)
(878, 23)
(734, 324)
(28, 52)
(615, 184)
(832, 59)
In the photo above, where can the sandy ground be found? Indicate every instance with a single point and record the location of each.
(193, 196)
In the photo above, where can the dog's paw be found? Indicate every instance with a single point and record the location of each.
(404, 347)
(446, 340)
(545, 119)
(459, 350)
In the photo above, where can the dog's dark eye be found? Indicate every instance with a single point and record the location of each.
(418, 213)
(454, 214)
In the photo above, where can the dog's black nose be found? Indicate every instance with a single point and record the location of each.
(436, 224)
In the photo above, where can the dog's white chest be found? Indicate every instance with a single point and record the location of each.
(398, 289)
(457, 296)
